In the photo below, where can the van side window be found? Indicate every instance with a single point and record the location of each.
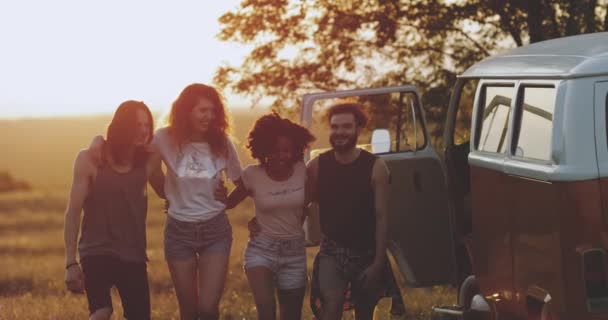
(494, 118)
(534, 122)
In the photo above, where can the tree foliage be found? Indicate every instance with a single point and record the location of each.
(320, 45)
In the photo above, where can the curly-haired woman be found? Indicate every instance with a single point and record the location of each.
(275, 258)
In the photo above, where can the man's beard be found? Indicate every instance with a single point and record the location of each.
(351, 142)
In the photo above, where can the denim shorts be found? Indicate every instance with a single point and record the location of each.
(285, 258)
(186, 240)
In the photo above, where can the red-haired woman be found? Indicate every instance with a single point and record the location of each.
(275, 258)
(112, 193)
(196, 149)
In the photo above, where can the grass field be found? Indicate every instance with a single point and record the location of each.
(31, 236)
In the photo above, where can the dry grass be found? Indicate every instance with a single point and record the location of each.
(31, 264)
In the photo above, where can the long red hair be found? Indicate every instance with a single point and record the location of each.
(179, 117)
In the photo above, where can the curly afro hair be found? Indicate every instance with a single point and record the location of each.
(263, 136)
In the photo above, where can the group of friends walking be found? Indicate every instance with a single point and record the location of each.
(348, 184)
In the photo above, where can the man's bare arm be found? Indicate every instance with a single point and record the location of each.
(156, 177)
(312, 173)
(380, 179)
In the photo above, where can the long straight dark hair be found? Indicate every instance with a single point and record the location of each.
(122, 132)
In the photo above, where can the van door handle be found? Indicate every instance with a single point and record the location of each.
(417, 183)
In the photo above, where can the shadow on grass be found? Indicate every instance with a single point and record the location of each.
(15, 286)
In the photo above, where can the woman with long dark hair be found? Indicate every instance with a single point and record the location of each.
(112, 194)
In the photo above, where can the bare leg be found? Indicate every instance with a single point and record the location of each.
(101, 314)
(290, 303)
(261, 281)
(183, 274)
(212, 271)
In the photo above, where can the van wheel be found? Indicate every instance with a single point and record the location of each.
(468, 289)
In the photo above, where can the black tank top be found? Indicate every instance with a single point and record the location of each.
(114, 221)
(346, 200)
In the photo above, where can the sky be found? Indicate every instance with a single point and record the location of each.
(80, 57)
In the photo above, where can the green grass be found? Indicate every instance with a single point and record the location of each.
(32, 261)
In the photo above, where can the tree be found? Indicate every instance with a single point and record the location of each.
(319, 45)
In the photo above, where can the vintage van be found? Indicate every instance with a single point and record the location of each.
(517, 204)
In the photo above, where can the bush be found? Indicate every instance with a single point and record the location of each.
(8, 183)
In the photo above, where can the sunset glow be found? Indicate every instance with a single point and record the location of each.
(70, 57)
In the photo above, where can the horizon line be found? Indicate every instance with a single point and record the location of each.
(94, 114)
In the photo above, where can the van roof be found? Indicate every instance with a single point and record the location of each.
(569, 57)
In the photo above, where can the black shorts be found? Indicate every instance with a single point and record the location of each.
(103, 272)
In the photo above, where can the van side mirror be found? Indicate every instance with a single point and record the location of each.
(381, 141)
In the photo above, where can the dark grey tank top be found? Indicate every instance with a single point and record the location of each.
(114, 221)
(347, 210)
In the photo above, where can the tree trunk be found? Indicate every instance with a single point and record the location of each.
(504, 11)
(606, 22)
(535, 21)
(590, 16)
(572, 24)
(555, 27)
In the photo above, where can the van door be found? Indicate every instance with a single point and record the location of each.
(420, 229)
(601, 140)
(456, 148)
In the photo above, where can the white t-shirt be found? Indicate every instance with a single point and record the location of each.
(193, 173)
(279, 205)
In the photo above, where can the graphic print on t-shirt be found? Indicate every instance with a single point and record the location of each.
(194, 164)
(285, 191)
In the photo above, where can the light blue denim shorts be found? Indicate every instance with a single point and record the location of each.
(186, 240)
(285, 258)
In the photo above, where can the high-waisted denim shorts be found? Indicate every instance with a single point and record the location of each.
(185, 240)
(285, 258)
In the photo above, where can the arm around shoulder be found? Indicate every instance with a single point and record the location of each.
(380, 182)
(156, 177)
(380, 173)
